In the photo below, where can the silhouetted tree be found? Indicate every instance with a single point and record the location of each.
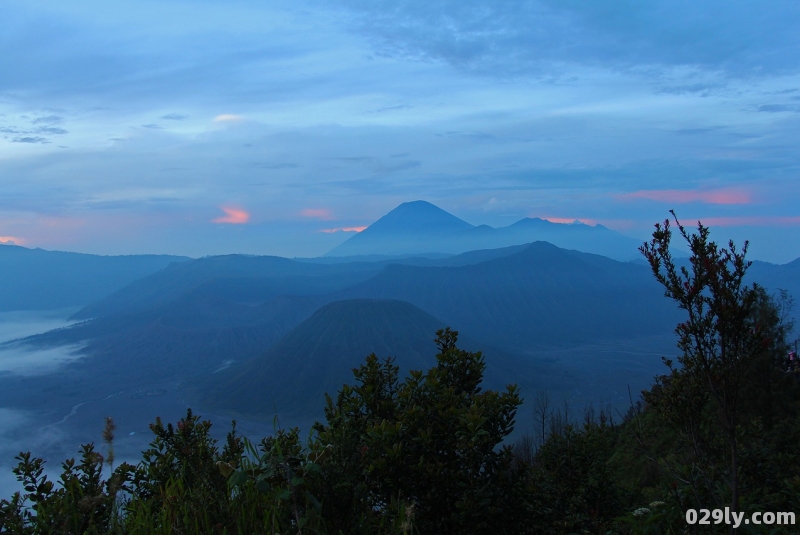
(719, 342)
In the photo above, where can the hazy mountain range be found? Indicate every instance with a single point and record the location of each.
(255, 335)
(421, 227)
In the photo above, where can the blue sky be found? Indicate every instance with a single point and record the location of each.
(260, 127)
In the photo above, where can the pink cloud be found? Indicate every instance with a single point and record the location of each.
(755, 221)
(569, 220)
(11, 240)
(342, 229)
(718, 196)
(317, 213)
(233, 216)
(228, 118)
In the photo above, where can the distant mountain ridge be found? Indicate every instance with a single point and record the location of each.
(207, 311)
(421, 227)
(256, 277)
(190, 319)
(538, 296)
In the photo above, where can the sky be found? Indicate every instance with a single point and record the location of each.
(268, 127)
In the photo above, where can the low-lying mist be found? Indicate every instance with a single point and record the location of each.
(15, 325)
(19, 358)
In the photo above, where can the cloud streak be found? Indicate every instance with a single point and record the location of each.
(324, 214)
(31, 139)
(754, 221)
(720, 196)
(342, 229)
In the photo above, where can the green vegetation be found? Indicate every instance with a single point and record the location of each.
(426, 454)
(422, 455)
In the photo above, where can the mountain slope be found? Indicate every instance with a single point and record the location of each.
(776, 277)
(35, 279)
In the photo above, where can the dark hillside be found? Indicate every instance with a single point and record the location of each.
(319, 354)
(778, 276)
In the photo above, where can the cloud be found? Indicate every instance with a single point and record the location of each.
(48, 119)
(51, 130)
(570, 221)
(474, 136)
(152, 126)
(228, 118)
(280, 165)
(530, 36)
(720, 196)
(11, 240)
(394, 108)
(31, 139)
(342, 229)
(696, 131)
(174, 117)
(233, 216)
(352, 159)
(776, 108)
(317, 213)
(27, 135)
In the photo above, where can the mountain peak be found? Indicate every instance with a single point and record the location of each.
(419, 216)
(412, 227)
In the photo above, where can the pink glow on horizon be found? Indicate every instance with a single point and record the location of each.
(718, 196)
(11, 240)
(233, 216)
(342, 229)
(317, 213)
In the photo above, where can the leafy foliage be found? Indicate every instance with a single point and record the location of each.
(84, 503)
(432, 442)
